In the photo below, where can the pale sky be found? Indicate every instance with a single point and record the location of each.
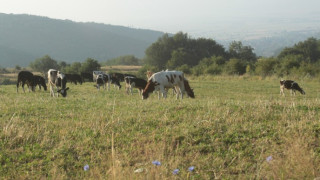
(163, 15)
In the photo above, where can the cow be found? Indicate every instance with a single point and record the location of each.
(26, 77)
(168, 79)
(85, 75)
(150, 73)
(290, 85)
(74, 78)
(40, 81)
(103, 79)
(121, 76)
(100, 81)
(58, 80)
(95, 75)
(133, 82)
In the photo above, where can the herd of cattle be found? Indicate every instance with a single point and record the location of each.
(161, 81)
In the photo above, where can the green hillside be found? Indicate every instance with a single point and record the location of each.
(25, 37)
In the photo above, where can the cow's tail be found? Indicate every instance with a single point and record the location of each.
(188, 88)
(298, 88)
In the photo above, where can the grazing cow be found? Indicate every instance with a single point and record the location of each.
(133, 82)
(26, 77)
(103, 79)
(290, 85)
(58, 80)
(168, 79)
(95, 75)
(40, 81)
(85, 75)
(74, 78)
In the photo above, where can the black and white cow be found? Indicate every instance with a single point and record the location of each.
(290, 85)
(163, 80)
(105, 79)
(121, 76)
(133, 82)
(40, 81)
(59, 81)
(26, 77)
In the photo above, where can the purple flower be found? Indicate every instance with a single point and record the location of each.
(176, 171)
(86, 167)
(269, 158)
(191, 168)
(157, 163)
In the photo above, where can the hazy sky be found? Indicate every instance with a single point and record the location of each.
(163, 15)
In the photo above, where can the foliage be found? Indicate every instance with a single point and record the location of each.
(308, 49)
(172, 52)
(129, 60)
(241, 52)
(185, 69)
(44, 64)
(266, 66)
(235, 67)
(90, 65)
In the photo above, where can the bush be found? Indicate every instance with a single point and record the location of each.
(185, 69)
(235, 66)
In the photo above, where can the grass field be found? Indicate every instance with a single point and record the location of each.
(235, 128)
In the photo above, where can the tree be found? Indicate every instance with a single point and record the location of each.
(178, 58)
(266, 66)
(235, 66)
(309, 49)
(243, 53)
(90, 65)
(44, 64)
(74, 68)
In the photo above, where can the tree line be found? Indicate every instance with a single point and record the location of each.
(205, 56)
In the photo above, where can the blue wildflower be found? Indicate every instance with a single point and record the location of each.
(176, 171)
(157, 163)
(269, 158)
(191, 168)
(86, 167)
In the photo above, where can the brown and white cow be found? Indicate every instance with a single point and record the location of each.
(57, 80)
(290, 85)
(163, 80)
(133, 82)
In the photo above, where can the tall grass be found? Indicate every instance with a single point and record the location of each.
(226, 132)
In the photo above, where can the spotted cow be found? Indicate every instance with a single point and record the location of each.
(163, 80)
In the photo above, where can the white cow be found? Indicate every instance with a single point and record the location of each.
(163, 80)
(57, 80)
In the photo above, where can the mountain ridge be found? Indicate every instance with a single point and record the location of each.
(30, 37)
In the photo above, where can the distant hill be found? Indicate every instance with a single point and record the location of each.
(24, 38)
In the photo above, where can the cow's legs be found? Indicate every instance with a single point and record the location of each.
(282, 90)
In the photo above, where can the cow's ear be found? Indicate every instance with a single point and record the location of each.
(67, 88)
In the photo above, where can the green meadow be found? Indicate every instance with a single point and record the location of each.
(237, 127)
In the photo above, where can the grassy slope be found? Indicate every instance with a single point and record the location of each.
(228, 131)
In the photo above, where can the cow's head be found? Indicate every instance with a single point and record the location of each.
(63, 92)
(150, 87)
